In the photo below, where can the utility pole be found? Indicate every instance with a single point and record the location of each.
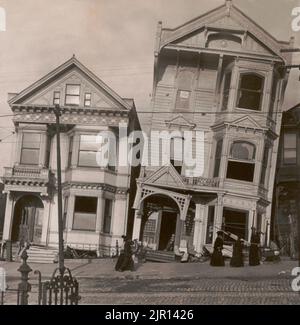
(61, 265)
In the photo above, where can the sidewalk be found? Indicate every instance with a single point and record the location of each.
(104, 268)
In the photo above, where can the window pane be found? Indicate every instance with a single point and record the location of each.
(85, 204)
(31, 140)
(72, 100)
(290, 156)
(73, 90)
(290, 140)
(30, 156)
(87, 103)
(249, 100)
(84, 221)
(107, 216)
(87, 158)
(242, 150)
(240, 171)
(87, 95)
(251, 82)
(89, 142)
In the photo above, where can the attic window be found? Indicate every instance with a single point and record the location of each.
(87, 99)
(72, 94)
(250, 91)
(56, 98)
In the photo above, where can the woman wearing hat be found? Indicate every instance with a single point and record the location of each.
(217, 258)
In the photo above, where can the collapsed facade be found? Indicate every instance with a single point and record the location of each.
(223, 76)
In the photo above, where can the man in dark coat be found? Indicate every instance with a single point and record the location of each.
(217, 258)
(237, 254)
(254, 248)
(121, 256)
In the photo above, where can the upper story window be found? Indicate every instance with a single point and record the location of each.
(88, 149)
(218, 156)
(30, 151)
(87, 99)
(184, 89)
(72, 94)
(176, 153)
(290, 148)
(264, 166)
(226, 90)
(250, 91)
(56, 98)
(241, 162)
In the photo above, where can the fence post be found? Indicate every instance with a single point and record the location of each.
(24, 286)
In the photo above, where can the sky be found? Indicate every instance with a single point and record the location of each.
(113, 38)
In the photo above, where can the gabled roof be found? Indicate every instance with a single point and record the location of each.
(241, 20)
(56, 73)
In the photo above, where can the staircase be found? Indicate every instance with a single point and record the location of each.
(160, 256)
(41, 254)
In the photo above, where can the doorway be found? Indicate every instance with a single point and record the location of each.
(28, 219)
(167, 229)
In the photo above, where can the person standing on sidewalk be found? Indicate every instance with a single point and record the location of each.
(237, 254)
(126, 263)
(217, 258)
(254, 248)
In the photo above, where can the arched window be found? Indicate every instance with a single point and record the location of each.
(250, 91)
(241, 162)
(185, 81)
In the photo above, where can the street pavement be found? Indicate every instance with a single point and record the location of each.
(170, 283)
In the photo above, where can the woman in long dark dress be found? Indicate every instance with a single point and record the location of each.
(127, 261)
(121, 256)
(237, 254)
(217, 258)
(254, 249)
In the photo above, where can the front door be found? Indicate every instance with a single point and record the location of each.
(167, 229)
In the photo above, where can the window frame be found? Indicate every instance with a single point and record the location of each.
(87, 99)
(180, 87)
(261, 91)
(251, 161)
(295, 133)
(72, 95)
(55, 98)
(30, 148)
(86, 213)
(79, 151)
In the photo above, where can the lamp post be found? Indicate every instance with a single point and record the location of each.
(61, 265)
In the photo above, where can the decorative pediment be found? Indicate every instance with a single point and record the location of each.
(239, 32)
(246, 122)
(71, 72)
(166, 176)
(180, 121)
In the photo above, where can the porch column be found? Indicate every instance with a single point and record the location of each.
(137, 224)
(46, 218)
(8, 219)
(70, 212)
(199, 232)
(179, 227)
(218, 216)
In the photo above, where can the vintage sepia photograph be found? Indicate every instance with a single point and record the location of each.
(149, 154)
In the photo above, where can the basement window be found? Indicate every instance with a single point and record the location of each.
(241, 162)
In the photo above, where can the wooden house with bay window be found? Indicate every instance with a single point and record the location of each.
(224, 75)
(95, 199)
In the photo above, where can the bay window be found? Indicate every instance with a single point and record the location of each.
(241, 162)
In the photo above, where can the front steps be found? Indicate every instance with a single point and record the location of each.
(160, 256)
(42, 254)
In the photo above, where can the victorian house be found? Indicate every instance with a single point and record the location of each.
(223, 76)
(95, 198)
(287, 186)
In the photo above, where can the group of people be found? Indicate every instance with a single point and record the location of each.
(237, 259)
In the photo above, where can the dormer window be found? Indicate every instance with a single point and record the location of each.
(56, 98)
(87, 99)
(250, 91)
(73, 95)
